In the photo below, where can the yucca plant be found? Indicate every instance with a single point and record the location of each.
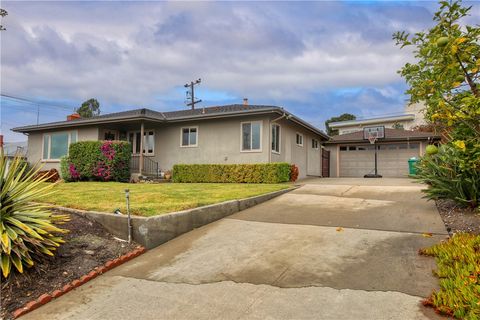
(27, 229)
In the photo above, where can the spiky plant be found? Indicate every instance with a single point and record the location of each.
(27, 229)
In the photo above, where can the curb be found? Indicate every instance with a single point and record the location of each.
(47, 297)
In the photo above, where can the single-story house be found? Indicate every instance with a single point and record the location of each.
(411, 118)
(353, 156)
(238, 133)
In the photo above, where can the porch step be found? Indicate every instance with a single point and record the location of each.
(152, 179)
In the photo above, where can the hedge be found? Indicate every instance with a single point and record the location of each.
(97, 160)
(232, 173)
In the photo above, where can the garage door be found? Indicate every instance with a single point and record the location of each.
(358, 160)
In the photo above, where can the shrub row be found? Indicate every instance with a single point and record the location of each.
(232, 173)
(97, 160)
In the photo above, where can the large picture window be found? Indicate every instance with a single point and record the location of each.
(55, 145)
(251, 136)
(276, 138)
(189, 137)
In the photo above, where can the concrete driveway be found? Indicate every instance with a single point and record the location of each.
(332, 249)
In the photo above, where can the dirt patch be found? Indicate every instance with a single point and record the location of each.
(458, 219)
(88, 245)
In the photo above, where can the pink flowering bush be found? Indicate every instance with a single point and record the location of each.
(97, 160)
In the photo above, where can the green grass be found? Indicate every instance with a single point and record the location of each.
(458, 262)
(151, 199)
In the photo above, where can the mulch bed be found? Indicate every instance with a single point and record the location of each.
(87, 245)
(458, 219)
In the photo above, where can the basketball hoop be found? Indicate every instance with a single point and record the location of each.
(372, 137)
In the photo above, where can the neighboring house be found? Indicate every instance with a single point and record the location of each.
(224, 134)
(353, 156)
(411, 118)
(11, 149)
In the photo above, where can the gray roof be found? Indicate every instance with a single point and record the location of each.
(172, 116)
(390, 135)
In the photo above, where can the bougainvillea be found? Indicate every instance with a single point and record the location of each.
(97, 160)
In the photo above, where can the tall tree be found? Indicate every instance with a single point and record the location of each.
(89, 108)
(343, 117)
(3, 13)
(446, 75)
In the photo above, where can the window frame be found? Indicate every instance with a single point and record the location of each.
(49, 135)
(181, 137)
(134, 142)
(317, 144)
(279, 142)
(296, 140)
(251, 136)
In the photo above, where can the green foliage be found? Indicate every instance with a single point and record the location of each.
(398, 126)
(27, 229)
(97, 160)
(343, 117)
(89, 108)
(232, 173)
(446, 75)
(458, 262)
(3, 13)
(453, 172)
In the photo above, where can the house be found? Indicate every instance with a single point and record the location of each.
(238, 133)
(411, 118)
(353, 156)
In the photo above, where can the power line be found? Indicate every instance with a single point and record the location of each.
(34, 102)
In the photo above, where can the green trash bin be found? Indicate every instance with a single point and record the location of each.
(412, 170)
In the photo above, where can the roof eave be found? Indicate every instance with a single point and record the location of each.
(433, 137)
(340, 124)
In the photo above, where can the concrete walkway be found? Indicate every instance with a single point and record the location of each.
(333, 249)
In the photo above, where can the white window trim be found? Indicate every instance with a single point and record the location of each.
(279, 138)
(261, 136)
(135, 141)
(181, 137)
(49, 134)
(318, 144)
(300, 145)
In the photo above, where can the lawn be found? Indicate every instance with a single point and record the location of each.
(151, 199)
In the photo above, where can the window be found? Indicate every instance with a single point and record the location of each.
(251, 136)
(189, 137)
(276, 138)
(109, 135)
(148, 142)
(299, 139)
(314, 144)
(343, 148)
(55, 145)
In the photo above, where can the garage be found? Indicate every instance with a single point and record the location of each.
(353, 156)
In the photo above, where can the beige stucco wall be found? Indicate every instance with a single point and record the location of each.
(218, 142)
(35, 145)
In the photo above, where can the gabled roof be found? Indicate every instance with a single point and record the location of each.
(348, 123)
(390, 135)
(172, 116)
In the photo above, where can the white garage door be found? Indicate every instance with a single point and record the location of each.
(358, 160)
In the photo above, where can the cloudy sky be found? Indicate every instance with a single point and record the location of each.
(316, 59)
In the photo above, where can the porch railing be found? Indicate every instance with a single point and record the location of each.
(150, 166)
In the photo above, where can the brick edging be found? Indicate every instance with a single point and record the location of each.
(47, 297)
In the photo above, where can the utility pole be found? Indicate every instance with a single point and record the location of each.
(191, 93)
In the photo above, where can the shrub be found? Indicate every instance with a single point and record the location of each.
(453, 173)
(97, 160)
(27, 229)
(232, 173)
(458, 262)
(293, 173)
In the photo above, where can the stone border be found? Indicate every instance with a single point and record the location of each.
(47, 297)
(153, 231)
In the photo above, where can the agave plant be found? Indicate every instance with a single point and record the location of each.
(27, 228)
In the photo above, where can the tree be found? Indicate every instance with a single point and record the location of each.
(398, 125)
(446, 74)
(3, 13)
(343, 117)
(89, 108)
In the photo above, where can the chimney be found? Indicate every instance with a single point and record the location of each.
(73, 116)
(245, 101)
